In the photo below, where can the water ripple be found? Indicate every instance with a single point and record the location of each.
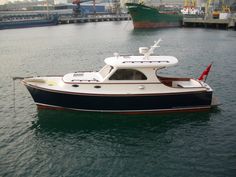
(52, 143)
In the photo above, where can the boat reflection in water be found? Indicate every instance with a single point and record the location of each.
(74, 121)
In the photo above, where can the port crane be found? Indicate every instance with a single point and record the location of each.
(189, 7)
(190, 3)
(78, 10)
(212, 9)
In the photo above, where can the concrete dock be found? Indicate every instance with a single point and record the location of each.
(93, 18)
(210, 23)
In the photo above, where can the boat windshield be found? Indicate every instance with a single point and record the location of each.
(128, 74)
(105, 70)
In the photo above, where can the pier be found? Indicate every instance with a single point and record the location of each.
(93, 18)
(210, 23)
(67, 17)
(64, 17)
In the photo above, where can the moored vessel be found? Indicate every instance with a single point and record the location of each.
(29, 22)
(126, 84)
(150, 17)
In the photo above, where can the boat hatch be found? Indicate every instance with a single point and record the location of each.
(105, 70)
(81, 77)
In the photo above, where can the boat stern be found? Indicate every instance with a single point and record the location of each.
(215, 102)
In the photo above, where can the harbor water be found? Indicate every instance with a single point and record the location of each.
(68, 143)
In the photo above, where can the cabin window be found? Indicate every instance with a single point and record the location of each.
(105, 70)
(128, 74)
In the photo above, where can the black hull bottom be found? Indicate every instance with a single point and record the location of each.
(122, 104)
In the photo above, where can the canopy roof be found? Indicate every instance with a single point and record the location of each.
(141, 61)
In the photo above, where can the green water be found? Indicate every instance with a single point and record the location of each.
(62, 143)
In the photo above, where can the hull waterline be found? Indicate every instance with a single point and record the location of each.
(153, 25)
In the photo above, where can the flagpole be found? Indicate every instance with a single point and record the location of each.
(205, 73)
(208, 73)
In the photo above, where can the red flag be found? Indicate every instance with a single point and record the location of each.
(205, 73)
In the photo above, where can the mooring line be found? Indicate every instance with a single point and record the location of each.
(20, 77)
(14, 89)
(14, 96)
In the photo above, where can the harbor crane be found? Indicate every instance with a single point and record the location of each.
(215, 7)
(77, 10)
(190, 3)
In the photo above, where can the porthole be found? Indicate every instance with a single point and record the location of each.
(97, 86)
(75, 85)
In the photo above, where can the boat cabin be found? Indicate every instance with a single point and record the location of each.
(124, 68)
(132, 69)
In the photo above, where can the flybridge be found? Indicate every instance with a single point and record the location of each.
(141, 61)
(145, 60)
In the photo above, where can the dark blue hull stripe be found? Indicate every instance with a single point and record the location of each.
(103, 103)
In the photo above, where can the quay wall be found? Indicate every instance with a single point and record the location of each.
(210, 23)
(93, 18)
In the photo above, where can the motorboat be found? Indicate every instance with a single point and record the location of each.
(126, 84)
